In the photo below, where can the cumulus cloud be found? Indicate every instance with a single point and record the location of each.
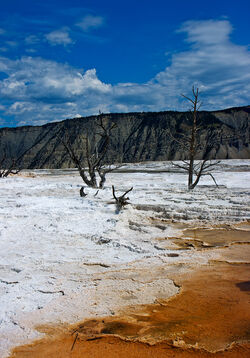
(90, 22)
(59, 37)
(40, 90)
(37, 78)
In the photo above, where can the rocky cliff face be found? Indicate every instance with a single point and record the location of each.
(137, 137)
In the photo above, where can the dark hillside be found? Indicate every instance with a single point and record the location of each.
(137, 137)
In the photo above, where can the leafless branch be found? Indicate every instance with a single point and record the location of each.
(121, 201)
(196, 144)
(13, 165)
(94, 157)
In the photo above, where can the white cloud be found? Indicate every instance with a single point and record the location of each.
(43, 89)
(2, 31)
(213, 62)
(47, 79)
(40, 90)
(59, 37)
(90, 22)
(208, 32)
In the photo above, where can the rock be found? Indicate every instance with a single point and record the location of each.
(137, 137)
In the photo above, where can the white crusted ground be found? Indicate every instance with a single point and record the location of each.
(64, 258)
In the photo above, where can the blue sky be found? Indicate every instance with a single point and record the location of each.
(62, 59)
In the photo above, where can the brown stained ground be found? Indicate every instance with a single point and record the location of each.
(208, 238)
(210, 317)
(211, 312)
(217, 237)
(112, 347)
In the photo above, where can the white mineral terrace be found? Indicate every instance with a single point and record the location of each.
(65, 258)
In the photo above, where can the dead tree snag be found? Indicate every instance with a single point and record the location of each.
(192, 143)
(122, 200)
(91, 164)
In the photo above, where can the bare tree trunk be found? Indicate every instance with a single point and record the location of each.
(190, 172)
(102, 175)
(192, 149)
(94, 158)
(192, 144)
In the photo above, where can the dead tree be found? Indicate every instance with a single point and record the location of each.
(8, 167)
(82, 193)
(192, 143)
(91, 164)
(122, 200)
(13, 164)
